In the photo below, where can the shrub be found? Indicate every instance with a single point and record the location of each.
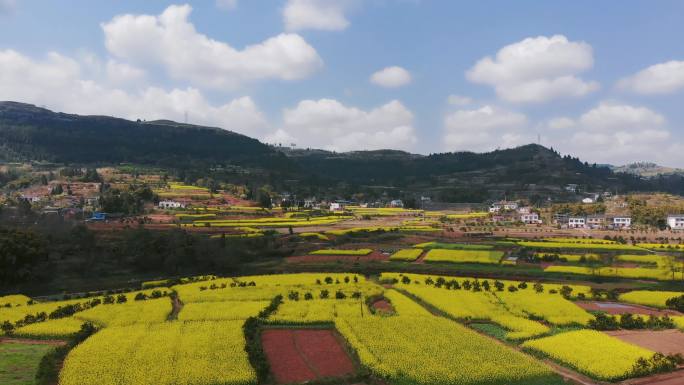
(676, 303)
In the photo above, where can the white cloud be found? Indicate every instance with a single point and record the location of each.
(59, 83)
(227, 4)
(537, 70)
(561, 123)
(122, 73)
(327, 123)
(458, 100)
(327, 15)
(483, 129)
(391, 77)
(7, 6)
(610, 117)
(171, 42)
(662, 78)
(617, 134)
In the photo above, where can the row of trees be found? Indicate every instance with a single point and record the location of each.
(605, 321)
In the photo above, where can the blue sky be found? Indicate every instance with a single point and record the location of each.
(600, 80)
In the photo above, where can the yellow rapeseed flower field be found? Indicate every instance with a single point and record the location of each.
(464, 304)
(342, 252)
(437, 351)
(216, 311)
(57, 328)
(138, 312)
(405, 306)
(464, 256)
(170, 353)
(551, 307)
(649, 298)
(14, 300)
(576, 289)
(579, 246)
(592, 352)
(660, 273)
(406, 255)
(319, 310)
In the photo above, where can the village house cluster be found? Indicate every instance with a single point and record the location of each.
(506, 211)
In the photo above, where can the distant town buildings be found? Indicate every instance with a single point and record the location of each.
(503, 205)
(171, 205)
(594, 221)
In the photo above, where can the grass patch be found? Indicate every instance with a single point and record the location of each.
(19, 362)
(490, 329)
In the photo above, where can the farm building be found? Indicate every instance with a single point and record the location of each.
(337, 206)
(530, 218)
(577, 222)
(171, 205)
(560, 219)
(675, 221)
(33, 198)
(622, 222)
(596, 221)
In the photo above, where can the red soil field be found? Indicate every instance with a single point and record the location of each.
(300, 355)
(622, 308)
(663, 341)
(383, 306)
(374, 256)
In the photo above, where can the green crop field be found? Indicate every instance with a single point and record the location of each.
(19, 362)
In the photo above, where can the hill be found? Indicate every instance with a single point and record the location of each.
(647, 169)
(532, 171)
(30, 133)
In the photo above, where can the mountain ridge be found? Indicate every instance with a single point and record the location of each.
(30, 133)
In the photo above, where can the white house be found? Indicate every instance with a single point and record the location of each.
(337, 206)
(33, 198)
(530, 218)
(396, 203)
(622, 222)
(577, 222)
(676, 222)
(503, 205)
(171, 205)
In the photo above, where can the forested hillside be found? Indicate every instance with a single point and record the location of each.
(30, 133)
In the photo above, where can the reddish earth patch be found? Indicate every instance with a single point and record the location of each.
(300, 355)
(383, 306)
(32, 341)
(663, 341)
(374, 256)
(622, 308)
(674, 378)
(421, 258)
